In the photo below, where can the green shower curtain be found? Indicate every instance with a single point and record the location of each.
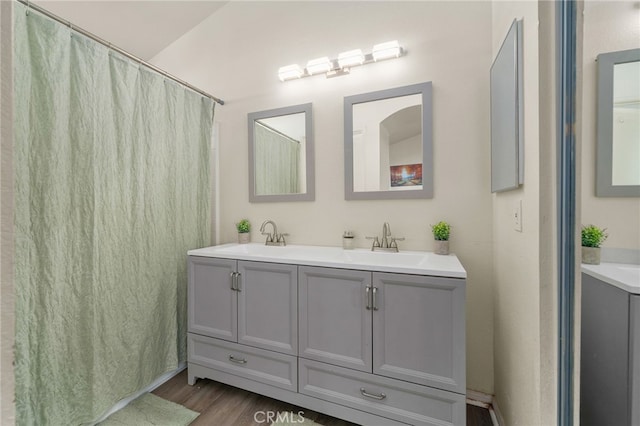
(112, 188)
(276, 162)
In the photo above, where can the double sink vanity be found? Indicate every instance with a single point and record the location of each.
(374, 338)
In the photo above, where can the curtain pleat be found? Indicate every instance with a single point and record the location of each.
(112, 170)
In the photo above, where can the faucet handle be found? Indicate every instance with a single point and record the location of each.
(280, 238)
(376, 242)
(394, 241)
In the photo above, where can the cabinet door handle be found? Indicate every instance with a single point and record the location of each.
(371, 395)
(234, 281)
(238, 281)
(368, 289)
(375, 301)
(237, 360)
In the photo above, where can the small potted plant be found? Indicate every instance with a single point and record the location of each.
(592, 238)
(441, 231)
(244, 228)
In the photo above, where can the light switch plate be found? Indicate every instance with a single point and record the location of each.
(517, 216)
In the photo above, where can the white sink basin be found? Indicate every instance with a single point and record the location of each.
(633, 271)
(410, 262)
(622, 275)
(386, 258)
(254, 249)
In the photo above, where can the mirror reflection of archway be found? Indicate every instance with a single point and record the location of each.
(401, 143)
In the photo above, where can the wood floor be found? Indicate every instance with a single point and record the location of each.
(223, 405)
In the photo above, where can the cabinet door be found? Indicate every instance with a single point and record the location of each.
(213, 304)
(419, 330)
(604, 354)
(335, 324)
(634, 357)
(268, 306)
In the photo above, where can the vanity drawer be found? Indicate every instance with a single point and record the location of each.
(394, 399)
(261, 365)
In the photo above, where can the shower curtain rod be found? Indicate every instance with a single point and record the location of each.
(266, 126)
(94, 37)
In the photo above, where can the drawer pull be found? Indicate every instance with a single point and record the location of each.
(368, 298)
(237, 360)
(375, 300)
(234, 281)
(373, 396)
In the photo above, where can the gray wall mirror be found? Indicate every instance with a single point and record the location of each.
(388, 144)
(281, 155)
(618, 124)
(507, 140)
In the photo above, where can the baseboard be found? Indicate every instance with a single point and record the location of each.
(159, 381)
(496, 415)
(481, 399)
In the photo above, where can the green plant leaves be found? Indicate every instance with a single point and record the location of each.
(243, 226)
(592, 236)
(441, 231)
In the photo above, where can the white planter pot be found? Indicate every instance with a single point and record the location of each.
(244, 237)
(441, 247)
(591, 255)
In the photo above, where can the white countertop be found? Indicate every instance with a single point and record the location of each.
(405, 262)
(622, 275)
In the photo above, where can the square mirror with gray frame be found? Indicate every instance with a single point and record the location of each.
(388, 144)
(281, 155)
(618, 124)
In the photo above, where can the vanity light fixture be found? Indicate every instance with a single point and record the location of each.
(388, 50)
(344, 62)
(290, 72)
(350, 58)
(319, 65)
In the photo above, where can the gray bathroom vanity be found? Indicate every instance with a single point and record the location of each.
(373, 338)
(610, 345)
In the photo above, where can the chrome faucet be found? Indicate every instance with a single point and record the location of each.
(270, 236)
(386, 233)
(389, 243)
(273, 239)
